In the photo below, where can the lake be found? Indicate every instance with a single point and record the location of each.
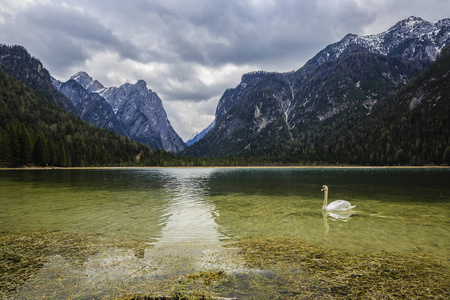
(188, 214)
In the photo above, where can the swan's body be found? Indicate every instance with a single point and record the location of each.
(338, 205)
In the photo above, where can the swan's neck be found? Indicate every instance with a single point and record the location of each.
(325, 200)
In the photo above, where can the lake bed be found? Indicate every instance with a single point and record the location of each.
(185, 220)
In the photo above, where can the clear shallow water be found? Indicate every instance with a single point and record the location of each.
(396, 209)
(187, 214)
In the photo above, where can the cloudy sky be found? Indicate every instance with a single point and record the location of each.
(190, 51)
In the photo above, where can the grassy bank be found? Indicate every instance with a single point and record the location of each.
(275, 268)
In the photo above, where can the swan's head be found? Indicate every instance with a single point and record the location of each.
(324, 188)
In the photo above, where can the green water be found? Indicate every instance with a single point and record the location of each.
(396, 209)
(190, 213)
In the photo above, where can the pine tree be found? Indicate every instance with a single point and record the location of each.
(446, 156)
(40, 151)
(26, 148)
(61, 161)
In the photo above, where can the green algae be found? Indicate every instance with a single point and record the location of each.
(272, 268)
(23, 254)
(311, 271)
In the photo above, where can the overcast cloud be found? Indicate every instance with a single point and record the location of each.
(189, 52)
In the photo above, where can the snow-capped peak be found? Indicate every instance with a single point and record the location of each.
(399, 40)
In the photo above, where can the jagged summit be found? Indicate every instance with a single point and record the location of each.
(412, 39)
(141, 86)
(87, 82)
(343, 83)
(410, 22)
(141, 82)
(82, 77)
(137, 109)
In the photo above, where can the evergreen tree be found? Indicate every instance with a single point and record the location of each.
(61, 161)
(40, 151)
(26, 145)
(446, 156)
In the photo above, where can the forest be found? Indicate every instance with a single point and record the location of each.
(36, 132)
(407, 126)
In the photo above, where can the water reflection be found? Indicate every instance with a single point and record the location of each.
(188, 241)
(170, 205)
(190, 237)
(185, 213)
(338, 216)
(188, 216)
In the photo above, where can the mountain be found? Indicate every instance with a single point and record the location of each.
(35, 131)
(131, 110)
(408, 127)
(412, 39)
(273, 114)
(91, 107)
(18, 63)
(198, 136)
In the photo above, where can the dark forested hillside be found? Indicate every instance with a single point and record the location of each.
(18, 63)
(334, 109)
(35, 131)
(279, 108)
(409, 127)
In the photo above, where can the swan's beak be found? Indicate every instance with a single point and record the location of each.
(322, 189)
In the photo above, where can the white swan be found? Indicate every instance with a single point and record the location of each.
(338, 205)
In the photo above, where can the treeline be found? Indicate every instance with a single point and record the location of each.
(34, 131)
(18, 63)
(409, 127)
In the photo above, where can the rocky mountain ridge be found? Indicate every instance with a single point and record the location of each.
(141, 118)
(347, 78)
(90, 107)
(199, 135)
(412, 39)
(132, 110)
(18, 63)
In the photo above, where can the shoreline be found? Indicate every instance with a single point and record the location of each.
(226, 167)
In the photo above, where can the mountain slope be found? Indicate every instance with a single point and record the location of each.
(354, 81)
(269, 114)
(91, 107)
(198, 136)
(412, 39)
(131, 110)
(141, 112)
(409, 127)
(273, 109)
(18, 63)
(35, 131)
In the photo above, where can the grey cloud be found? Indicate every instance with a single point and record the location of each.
(197, 92)
(63, 36)
(272, 35)
(239, 32)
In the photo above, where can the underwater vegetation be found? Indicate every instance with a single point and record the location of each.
(273, 268)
